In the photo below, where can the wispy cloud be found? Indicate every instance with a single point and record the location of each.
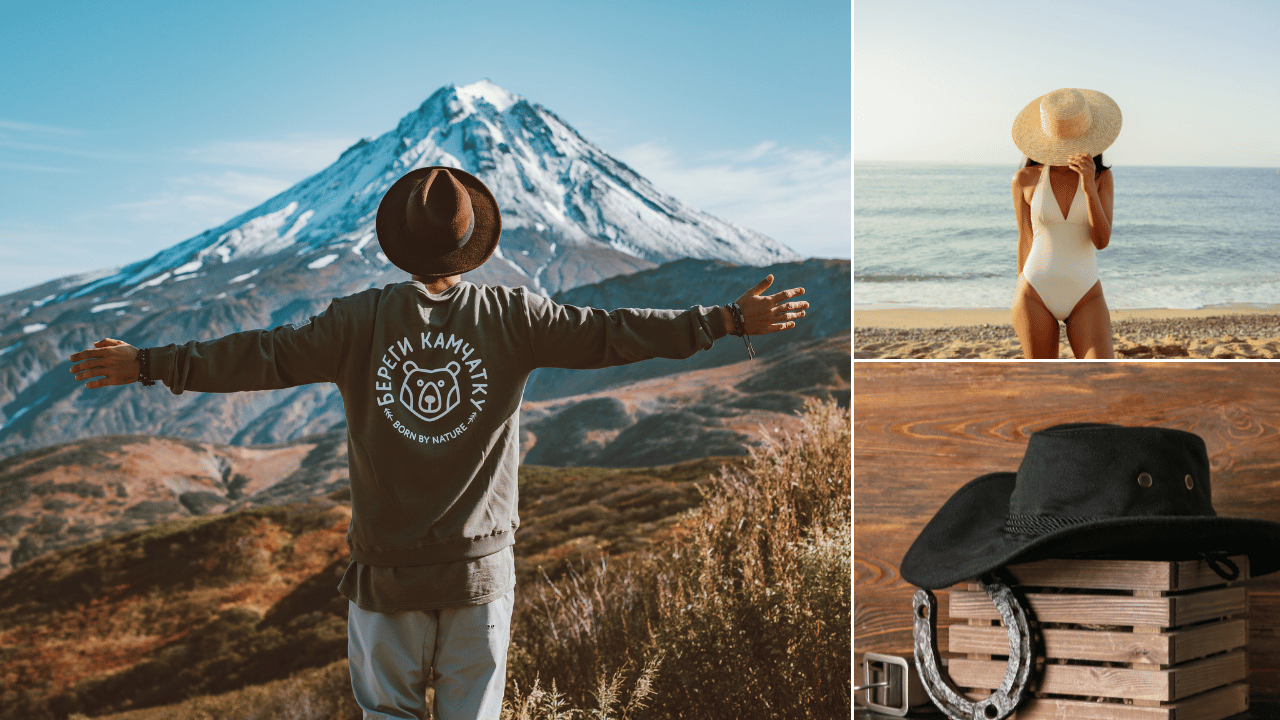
(28, 139)
(295, 152)
(800, 197)
(216, 196)
(36, 168)
(39, 129)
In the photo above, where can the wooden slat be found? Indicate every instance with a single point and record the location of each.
(1055, 709)
(1194, 574)
(1096, 574)
(1208, 605)
(1168, 648)
(1070, 644)
(1202, 640)
(1114, 682)
(1162, 612)
(1198, 676)
(1165, 576)
(1082, 680)
(1213, 705)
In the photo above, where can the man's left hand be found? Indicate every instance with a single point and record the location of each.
(764, 314)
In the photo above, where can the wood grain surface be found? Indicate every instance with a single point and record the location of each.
(923, 429)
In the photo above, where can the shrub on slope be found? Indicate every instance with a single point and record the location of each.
(747, 601)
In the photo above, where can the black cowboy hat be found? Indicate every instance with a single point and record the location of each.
(438, 221)
(1088, 490)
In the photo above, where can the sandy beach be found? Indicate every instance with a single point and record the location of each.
(1218, 333)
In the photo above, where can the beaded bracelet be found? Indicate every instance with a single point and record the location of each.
(740, 328)
(144, 368)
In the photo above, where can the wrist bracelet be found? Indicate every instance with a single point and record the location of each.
(144, 368)
(740, 328)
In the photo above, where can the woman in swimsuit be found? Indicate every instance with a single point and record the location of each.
(1062, 198)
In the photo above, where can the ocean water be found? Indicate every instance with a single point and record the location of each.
(945, 236)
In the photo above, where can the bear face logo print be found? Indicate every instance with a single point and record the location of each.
(430, 394)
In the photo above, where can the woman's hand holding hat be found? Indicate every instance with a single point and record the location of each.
(1083, 164)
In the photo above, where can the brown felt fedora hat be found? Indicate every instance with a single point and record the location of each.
(438, 221)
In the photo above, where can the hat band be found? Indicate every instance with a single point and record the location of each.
(1040, 524)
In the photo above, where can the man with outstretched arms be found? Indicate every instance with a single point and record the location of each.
(431, 373)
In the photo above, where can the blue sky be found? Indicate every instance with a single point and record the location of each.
(940, 81)
(127, 127)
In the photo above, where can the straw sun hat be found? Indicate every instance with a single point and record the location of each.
(1065, 122)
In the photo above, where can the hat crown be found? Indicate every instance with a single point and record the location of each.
(1065, 114)
(438, 214)
(1101, 471)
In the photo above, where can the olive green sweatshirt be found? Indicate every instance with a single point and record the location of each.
(432, 385)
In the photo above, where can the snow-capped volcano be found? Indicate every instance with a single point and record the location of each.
(560, 196)
(571, 216)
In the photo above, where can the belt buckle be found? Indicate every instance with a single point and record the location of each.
(892, 685)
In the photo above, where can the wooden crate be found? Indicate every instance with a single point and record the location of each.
(1123, 640)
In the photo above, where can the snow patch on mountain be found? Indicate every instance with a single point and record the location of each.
(322, 262)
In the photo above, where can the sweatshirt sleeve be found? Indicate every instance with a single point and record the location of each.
(286, 356)
(565, 336)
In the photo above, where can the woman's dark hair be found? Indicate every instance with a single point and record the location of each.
(1098, 167)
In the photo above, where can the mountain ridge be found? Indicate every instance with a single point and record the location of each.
(572, 215)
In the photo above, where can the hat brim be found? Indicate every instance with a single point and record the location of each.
(966, 538)
(1104, 128)
(406, 252)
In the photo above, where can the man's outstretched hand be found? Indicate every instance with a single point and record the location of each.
(764, 314)
(115, 362)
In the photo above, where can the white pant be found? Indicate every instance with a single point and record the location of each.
(465, 648)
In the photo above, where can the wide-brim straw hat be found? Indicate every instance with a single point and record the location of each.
(1088, 490)
(1065, 122)
(438, 221)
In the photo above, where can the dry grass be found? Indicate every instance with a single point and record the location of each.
(747, 601)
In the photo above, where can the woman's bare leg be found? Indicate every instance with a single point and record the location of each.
(1089, 326)
(1037, 328)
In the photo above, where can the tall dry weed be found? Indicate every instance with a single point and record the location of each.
(748, 601)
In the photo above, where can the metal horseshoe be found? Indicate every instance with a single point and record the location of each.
(1001, 703)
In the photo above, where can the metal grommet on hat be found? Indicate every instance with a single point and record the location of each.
(1190, 481)
(1144, 480)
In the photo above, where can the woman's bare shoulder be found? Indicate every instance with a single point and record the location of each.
(1027, 176)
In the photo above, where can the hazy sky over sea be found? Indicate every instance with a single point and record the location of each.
(941, 81)
(127, 127)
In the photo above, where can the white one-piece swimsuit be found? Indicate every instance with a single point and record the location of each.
(1062, 264)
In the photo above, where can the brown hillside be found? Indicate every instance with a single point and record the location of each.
(210, 604)
(76, 492)
(713, 411)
